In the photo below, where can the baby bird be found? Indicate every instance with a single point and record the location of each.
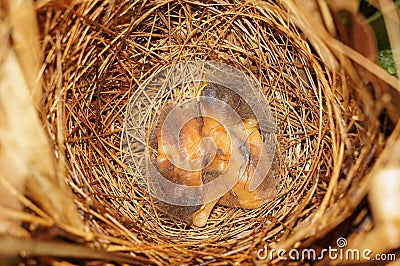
(217, 158)
(240, 195)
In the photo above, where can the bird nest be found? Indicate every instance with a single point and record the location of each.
(99, 55)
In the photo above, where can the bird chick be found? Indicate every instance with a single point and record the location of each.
(212, 158)
(241, 195)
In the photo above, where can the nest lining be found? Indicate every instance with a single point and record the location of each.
(106, 51)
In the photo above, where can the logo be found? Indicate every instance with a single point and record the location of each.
(340, 252)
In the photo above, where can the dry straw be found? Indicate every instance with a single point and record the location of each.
(337, 136)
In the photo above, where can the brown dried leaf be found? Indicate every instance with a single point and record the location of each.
(26, 158)
(25, 36)
(347, 5)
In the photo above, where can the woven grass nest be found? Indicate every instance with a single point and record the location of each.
(335, 135)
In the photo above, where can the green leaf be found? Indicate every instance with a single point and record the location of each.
(386, 61)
